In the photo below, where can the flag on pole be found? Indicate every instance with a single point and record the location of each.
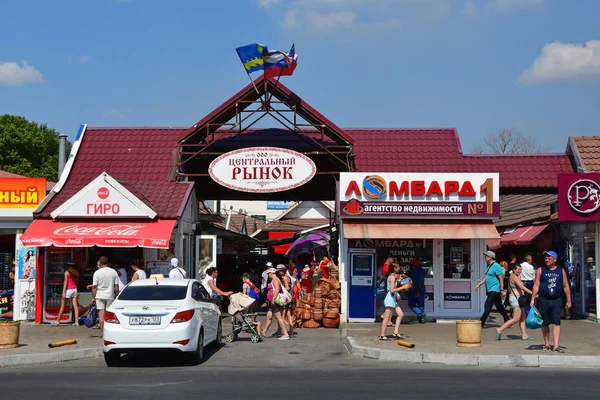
(257, 57)
(278, 63)
(253, 57)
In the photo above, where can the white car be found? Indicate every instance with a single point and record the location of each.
(161, 314)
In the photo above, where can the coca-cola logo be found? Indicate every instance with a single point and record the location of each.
(159, 242)
(584, 196)
(74, 241)
(103, 193)
(112, 230)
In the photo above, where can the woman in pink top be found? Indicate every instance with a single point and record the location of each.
(69, 292)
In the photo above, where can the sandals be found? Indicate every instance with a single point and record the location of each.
(545, 348)
(528, 338)
(398, 336)
(498, 335)
(558, 350)
(383, 338)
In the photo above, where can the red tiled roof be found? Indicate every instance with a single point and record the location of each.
(5, 174)
(139, 158)
(439, 150)
(294, 224)
(237, 221)
(588, 152)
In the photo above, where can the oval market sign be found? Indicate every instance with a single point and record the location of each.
(262, 169)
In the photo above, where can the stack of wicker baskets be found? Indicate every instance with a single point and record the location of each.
(322, 306)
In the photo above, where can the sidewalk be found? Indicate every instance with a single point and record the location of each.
(34, 340)
(436, 343)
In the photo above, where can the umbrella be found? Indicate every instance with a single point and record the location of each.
(308, 243)
(238, 302)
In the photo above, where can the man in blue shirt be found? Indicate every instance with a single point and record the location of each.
(494, 287)
(416, 295)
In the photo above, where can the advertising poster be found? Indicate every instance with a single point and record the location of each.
(26, 262)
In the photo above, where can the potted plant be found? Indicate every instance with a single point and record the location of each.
(9, 334)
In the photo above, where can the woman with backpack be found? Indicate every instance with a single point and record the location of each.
(518, 300)
(391, 302)
(250, 290)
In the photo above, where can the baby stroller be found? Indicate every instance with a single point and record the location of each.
(240, 319)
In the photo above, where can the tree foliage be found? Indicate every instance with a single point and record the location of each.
(28, 148)
(509, 141)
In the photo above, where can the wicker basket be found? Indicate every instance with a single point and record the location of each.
(319, 304)
(312, 324)
(323, 286)
(312, 301)
(334, 284)
(306, 315)
(317, 315)
(331, 320)
(318, 293)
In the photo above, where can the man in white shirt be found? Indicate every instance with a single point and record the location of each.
(528, 272)
(105, 287)
(176, 271)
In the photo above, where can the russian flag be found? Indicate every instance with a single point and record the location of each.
(278, 63)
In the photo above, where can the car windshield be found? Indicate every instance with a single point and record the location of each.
(153, 292)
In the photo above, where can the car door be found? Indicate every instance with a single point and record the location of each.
(205, 311)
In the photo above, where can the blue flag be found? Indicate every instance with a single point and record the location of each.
(253, 56)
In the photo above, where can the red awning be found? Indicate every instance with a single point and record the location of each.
(420, 231)
(522, 235)
(494, 244)
(44, 232)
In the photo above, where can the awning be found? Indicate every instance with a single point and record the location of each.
(494, 244)
(420, 231)
(523, 235)
(154, 234)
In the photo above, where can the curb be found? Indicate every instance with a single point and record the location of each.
(19, 360)
(470, 360)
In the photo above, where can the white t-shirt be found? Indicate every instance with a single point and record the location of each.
(141, 274)
(177, 272)
(265, 278)
(206, 286)
(123, 276)
(528, 272)
(104, 280)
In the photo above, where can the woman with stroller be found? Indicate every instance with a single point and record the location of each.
(516, 289)
(273, 290)
(208, 282)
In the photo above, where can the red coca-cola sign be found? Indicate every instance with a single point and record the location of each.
(103, 193)
(74, 241)
(579, 197)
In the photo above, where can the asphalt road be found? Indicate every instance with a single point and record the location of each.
(311, 366)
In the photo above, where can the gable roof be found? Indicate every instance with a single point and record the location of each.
(138, 158)
(587, 152)
(439, 150)
(252, 92)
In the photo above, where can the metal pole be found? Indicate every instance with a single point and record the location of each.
(62, 150)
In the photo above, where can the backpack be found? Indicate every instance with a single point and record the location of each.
(254, 293)
(92, 316)
(381, 289)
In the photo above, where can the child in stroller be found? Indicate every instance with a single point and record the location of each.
(241, 319)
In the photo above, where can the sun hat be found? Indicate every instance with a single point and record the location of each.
(590, 259)
(271, 270)
(280, 267)
(269, 264)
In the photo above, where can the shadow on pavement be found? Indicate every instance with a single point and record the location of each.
(162, 359)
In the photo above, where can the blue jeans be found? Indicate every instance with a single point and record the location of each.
(417, 304)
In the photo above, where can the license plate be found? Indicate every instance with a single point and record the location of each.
(144, 320)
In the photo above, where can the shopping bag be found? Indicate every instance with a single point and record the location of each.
(534, 319)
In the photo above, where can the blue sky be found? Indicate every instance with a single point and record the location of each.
(479, 66)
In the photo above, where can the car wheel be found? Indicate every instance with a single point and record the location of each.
(197, 356)
(112, 359)
(219, 339)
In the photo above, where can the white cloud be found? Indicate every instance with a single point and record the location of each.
(267, 3)
(504, 4)
(470, 9)
(115, 114)
(13, 74)
(85, 59)
(565, 60)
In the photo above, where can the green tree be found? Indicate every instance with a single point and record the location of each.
(28, 148)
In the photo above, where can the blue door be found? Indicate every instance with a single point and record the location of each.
(362, 286)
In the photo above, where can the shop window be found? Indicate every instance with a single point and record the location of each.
(404, 251)
(589, 276)
(457, 259)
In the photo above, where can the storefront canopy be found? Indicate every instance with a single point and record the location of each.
(421, 231)
(154, 234)
(522, 235)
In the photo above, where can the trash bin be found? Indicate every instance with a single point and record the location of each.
(468, 333)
